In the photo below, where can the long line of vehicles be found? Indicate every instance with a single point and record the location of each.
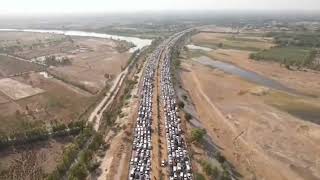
(179, 166)
(140, 164)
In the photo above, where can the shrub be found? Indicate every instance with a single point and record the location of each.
(188, 116)
(181, 104)
(78, 172)
(197, 134)
(198, 176)
(220, 157)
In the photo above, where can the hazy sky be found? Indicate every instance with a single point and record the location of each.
(76, 6)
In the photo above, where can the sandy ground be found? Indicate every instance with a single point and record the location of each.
(241, 41)
(270, 140)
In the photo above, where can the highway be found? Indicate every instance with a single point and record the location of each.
(158, 112)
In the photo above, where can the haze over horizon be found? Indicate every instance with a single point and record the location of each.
(22, 7)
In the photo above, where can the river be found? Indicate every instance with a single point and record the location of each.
(138, 42)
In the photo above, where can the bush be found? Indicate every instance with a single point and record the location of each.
(220, 157)
(226, 175)
(78, 172)
(198, 176)
(197, 134)
(181, 104)
(210, 170)
(188, 116)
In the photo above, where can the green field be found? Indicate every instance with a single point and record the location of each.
(291, 56)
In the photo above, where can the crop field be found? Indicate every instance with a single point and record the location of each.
(10, 66)
(31, 100)
(16, 90)
(59, 102)
(290, 55)
(232, 41)
(94, 61)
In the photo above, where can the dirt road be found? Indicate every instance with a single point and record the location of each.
(97, 113)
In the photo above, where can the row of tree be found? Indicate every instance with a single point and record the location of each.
(41, 133)
(70, 154)
(77, 160)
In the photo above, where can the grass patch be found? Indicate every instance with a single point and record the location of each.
(299, 38)
(300, 108)
(290, 56)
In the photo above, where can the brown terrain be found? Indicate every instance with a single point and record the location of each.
(264, 133)
(30, 97)
(95, 62)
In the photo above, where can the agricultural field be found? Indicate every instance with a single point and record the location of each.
(92, 61)
(93, 64)
(58, 102)
(294, 55)
(16, 90)
(10, 66)
(294, 49)
(34, 96)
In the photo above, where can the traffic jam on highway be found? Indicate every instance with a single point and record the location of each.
(179, 164)
(140, 164)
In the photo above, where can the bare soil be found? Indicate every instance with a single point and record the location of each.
(238, 41)
(94, 63)
(255, 136)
